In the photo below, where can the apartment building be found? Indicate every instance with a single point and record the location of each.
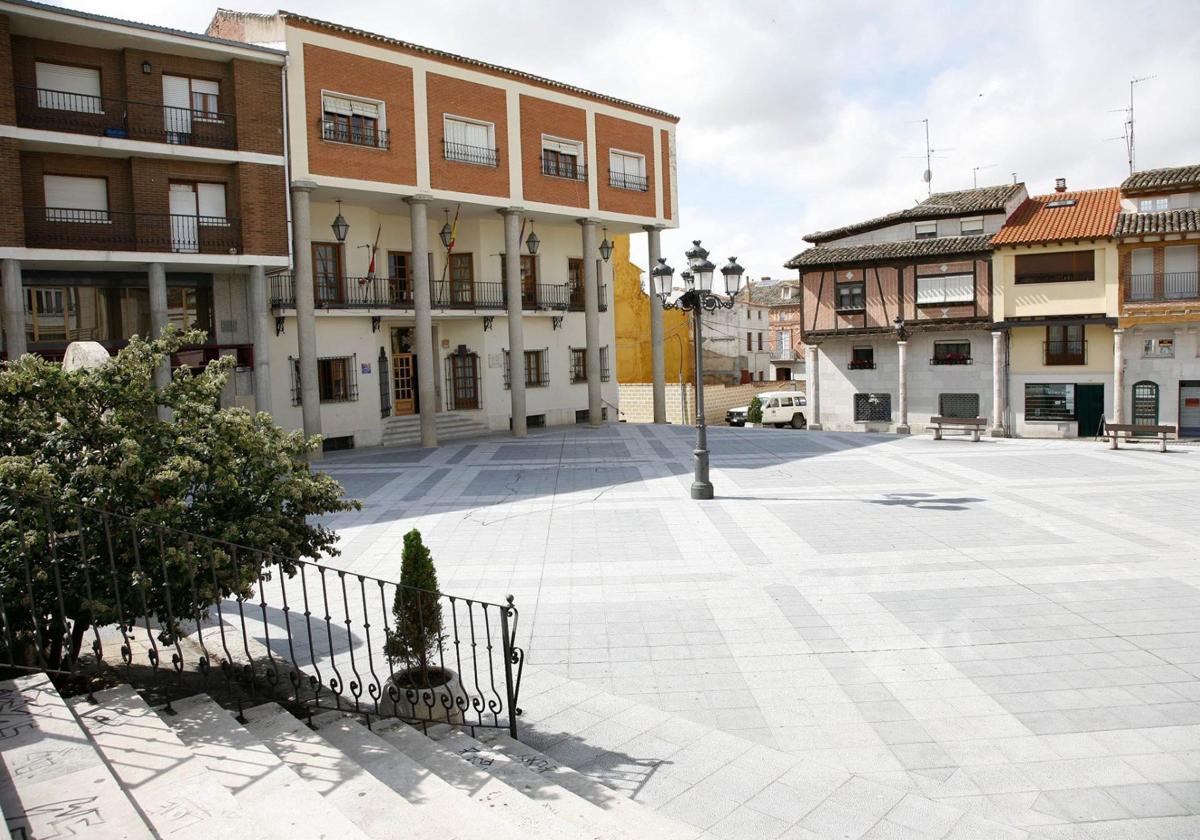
(1158, 336)
(1056, 307)
(785, 323)
(452, 227)
(896, 313)
(736, 341)
(144, 185)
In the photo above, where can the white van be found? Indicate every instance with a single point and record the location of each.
(779, 408)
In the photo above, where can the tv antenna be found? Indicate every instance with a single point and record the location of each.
(1130, 146)
(930, 155)
(975, 173)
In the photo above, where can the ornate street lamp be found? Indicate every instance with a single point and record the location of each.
(446, 234)
(340, 226)
(698, 297)
(532, 242)
(606, 247)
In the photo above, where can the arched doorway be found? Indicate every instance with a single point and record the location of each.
(1145, 403)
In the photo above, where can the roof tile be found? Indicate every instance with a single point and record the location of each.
(1039, 220)
(1159, 180)
(824, 255)
(1164, 221)
(937, 205)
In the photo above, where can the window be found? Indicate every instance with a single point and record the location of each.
(462, 380)
(1158, 348)
(563, 158)
(958, 405)
(327, 272)
(925, 230)
(63, 88)
(872, 408)
(1045, 401)
(1061, 267)
(749, 341)
(337, 379)
(348, 120)
(787, 292)
(942, 289)
(210, 204)
(760, 345)
(851, 297)
(470, 141)
(529, 288)
(1065, 345)
(462, 279)
(862, 358)
(575, 281)
(627, 171)
(1141, 274)
(186, 307)
(951, 353)
(1153, 205)
(1179, 272)
(604, 374)
(537, 371)
(971, 227)
(73, 199)
(205, 98)
(578, 364)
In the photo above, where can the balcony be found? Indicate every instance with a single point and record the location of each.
(335, 132)
(478, 155)
(103, 116)
(952, 359)
(1163, 286)
(1055, 277)
(1064, 352)
(861, 364)
(627, 181)
(563, 166)
(112, 230)
(388, 293)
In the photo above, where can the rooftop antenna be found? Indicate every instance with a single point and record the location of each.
(930, 154)
(975, 173)
(1130, 146)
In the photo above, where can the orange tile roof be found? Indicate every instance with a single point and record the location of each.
(1092, 216)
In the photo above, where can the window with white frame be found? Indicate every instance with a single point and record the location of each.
(70, 198)
(563, 158)
(627, 171)
(1153, 205)
(971, 227)
(943, 289)
(350, 119)
(63, 88)
(925, 230)
(469, 141)
(1158, 348)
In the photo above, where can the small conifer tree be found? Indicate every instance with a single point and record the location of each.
(416, 637)
(754, 413)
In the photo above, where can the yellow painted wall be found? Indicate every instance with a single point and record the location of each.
(1027, 350)
(1048, 299)
(632, 323)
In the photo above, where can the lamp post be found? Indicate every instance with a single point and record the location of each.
(697, 297)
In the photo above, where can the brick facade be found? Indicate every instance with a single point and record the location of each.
(263, 208)
(356, 76)
(8, 113)
(456, 97)
(665, 140)
(258, 105)
(614, 133)
(12, 218)
(539, 117)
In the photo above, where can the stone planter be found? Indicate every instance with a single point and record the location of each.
(439, 702)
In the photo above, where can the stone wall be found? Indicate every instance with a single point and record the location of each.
(637, 405)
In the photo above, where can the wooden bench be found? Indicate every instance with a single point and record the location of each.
(971, 424)
(1115, 430)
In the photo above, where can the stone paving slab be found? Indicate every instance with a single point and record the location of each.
(1007, 629)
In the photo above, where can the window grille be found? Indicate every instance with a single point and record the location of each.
(872, 408)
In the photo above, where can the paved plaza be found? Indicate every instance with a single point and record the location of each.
(870, 636)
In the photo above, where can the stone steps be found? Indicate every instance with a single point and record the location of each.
(406, 431)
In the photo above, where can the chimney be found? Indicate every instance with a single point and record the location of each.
(1060, 185)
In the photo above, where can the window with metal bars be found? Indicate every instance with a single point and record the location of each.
(872, 408)
(462, 380)
(958, 405)
(604, 373)
(337, 379)
(537, 369)
(578, 364)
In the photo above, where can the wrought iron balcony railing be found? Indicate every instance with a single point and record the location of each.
(1064, 352)
(627, 181)
(560, 166)
(861, 364)
(479, 155)
(1057, 277)
(390, 293)
(104, 116)
(1163, 286)
(952, 359)
(335, 132)
(112, 230)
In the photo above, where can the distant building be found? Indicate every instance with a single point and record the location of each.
(786, 339)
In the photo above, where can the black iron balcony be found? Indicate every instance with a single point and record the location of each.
(479, 155)
(339, 132)
(952, 359)
(111, 230)
(1163, 286)
(1064, 352)
(627, 181)
(861, 364)
(390, 293)
(1056, 277)
(564, 166)
(104, 116)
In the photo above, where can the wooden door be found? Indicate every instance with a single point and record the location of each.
(462, 280)
(404, 384)
(328, 287)
(464, 380)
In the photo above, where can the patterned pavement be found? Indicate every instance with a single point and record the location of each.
(1007, 629)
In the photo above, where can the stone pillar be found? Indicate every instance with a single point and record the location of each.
(813, 386)
(657, 366)
(157, 282)
(591, 319)
(260, 334)
(306, 324)
(516, 317)
(998, 367)
(14, 309)
(1118, 375)
(902, 427)
(418, 212)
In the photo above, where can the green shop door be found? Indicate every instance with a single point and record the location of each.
(1089, 409)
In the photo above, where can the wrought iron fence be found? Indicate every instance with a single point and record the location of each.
(627, 181)
(480, 155)
(357, 135)
(106, 116)
(1162, 286)
(564, 166)
(114, 230)
(199, 614)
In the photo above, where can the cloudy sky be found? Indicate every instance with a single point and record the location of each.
(798, 116)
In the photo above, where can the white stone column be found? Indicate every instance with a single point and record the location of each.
(591, 320)
(812, 385)
(14, 309)
(902, 427)
(516, 317)
(657, 365)
(418, 206)
(306, 322)
(260, 334)
(157, 282)
(1118, 375)
(998, 367)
